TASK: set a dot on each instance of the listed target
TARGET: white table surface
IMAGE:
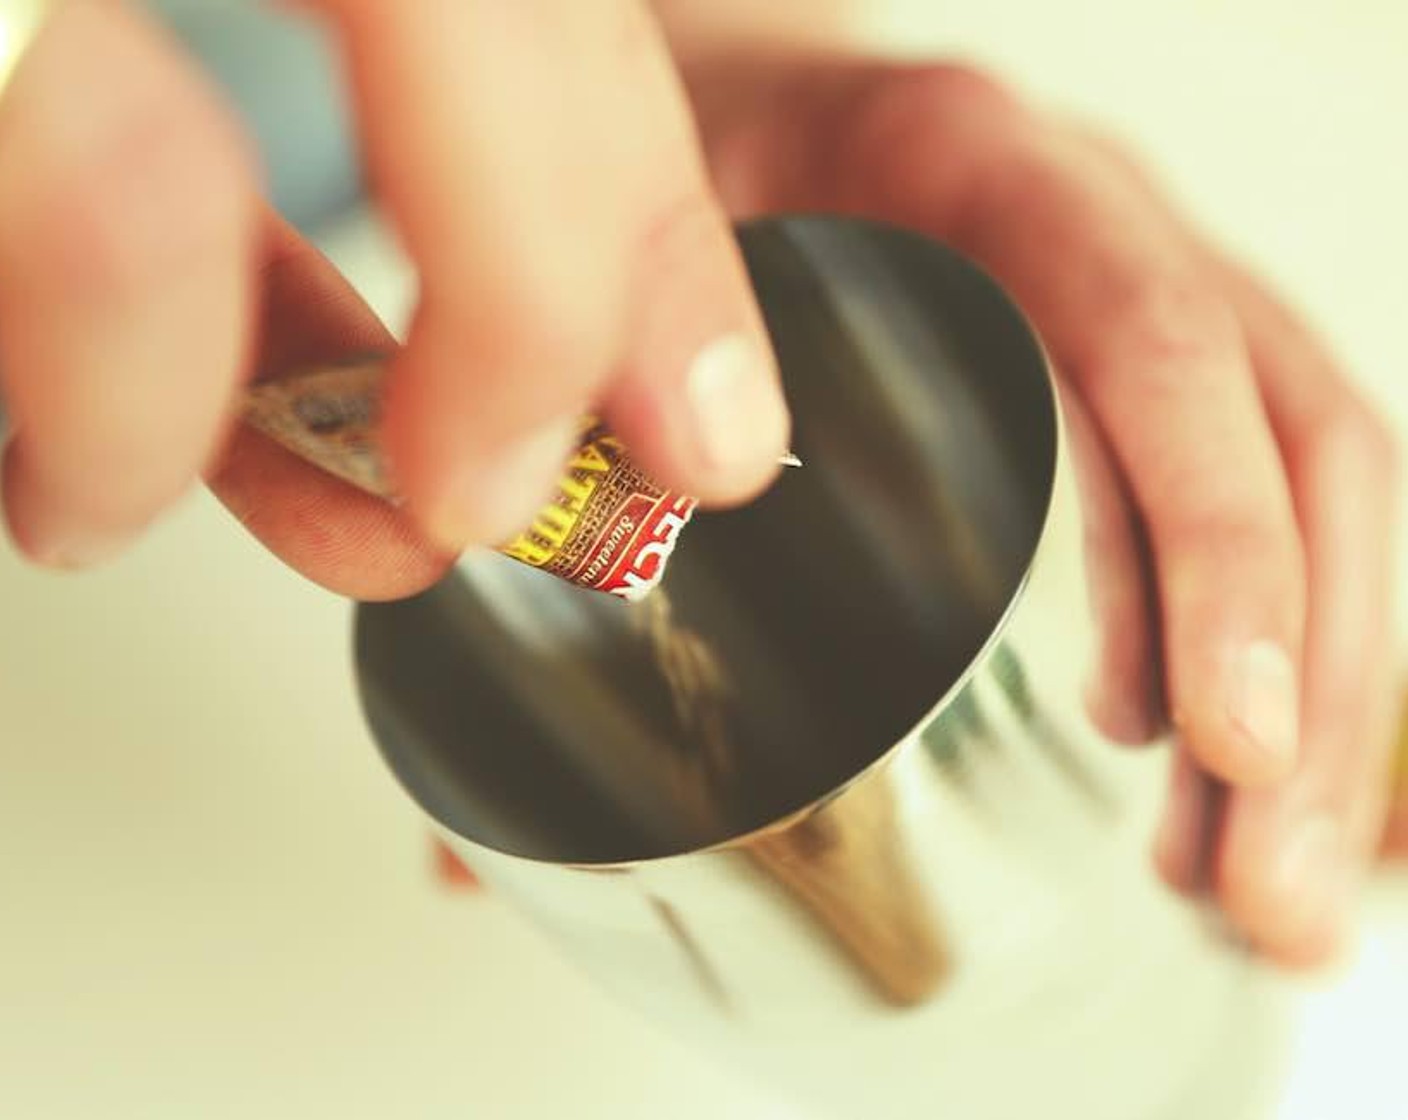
(215, 903)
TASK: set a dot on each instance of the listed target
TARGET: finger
(539, 163)
(1393, 844)
(1167, 375)
(451, 871)
(333, 533)
(127, 209)
(1190, 834)
(1122, 693)
(1294, 853)
(1129, 318)
(1174, 844)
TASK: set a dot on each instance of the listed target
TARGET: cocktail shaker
(892, 869)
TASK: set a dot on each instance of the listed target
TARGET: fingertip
(1124, 714)
(1291, 884)
(126, 280)
(1179, 851)
(44, 531)
(335, 535)
(1169, 857)
(1229, 754)
(738, 419)
(719, 431)
(1321, 953)
(481, 495)
(699, 397)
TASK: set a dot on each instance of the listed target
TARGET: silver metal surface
(912, 881)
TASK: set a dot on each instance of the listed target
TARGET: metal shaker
(914, 881)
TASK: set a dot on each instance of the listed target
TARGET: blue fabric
(282, 76)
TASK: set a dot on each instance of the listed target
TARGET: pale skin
(563, 176)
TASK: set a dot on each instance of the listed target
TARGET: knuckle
(1170, 325)
(1228, 528)
(1233, 549)
(955, 108)
(939, 91)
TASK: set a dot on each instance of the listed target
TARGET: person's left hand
(1232, 479)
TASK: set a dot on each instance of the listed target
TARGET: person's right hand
(539, 163)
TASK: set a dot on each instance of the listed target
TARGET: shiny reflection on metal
(918, 882)
(708, 978)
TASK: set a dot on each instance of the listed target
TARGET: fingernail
(1265, 705)
(80, 548)
(496, 497)
(738, 412)
(1313, 877)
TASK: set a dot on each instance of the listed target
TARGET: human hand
(1208, 425)
(539, 163)
(1237, 493)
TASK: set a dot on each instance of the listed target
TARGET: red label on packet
(647, 529)
(610, 527)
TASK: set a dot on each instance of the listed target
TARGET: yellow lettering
(555, 522)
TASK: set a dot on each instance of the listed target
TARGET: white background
(215, 903)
